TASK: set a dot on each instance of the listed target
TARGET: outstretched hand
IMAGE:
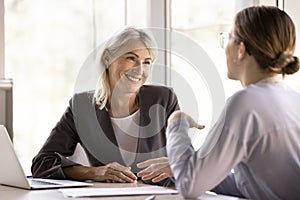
(181, 115)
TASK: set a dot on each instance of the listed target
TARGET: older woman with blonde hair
(121, 125)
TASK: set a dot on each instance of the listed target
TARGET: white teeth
(133, 78)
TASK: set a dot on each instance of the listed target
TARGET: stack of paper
(120, 191)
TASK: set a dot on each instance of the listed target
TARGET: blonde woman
(121, 125)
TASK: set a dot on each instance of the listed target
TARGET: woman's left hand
(156, 169)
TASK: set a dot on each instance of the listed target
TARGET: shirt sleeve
(196, 172)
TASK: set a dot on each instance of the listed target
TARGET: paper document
(120, 191)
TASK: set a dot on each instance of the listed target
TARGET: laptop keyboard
(37, 182)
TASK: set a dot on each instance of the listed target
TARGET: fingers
(181, 115)
(157, 175)
(125, 171)
(192, 122)
(152, 161)
(160, 178)
(200, 126)
(118, 176)
(152, 165)
(149, 175)
(156, 169)
(115, 173)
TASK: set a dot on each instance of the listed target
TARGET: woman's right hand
(114, 173)
(111, 173)
(181, 115)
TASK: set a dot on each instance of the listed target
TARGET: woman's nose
(141, 68)
(138, 68)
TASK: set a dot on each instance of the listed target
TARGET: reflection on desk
(11, 193)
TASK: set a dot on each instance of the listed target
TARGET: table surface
(11, 193)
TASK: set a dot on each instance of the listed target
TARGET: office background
(43, 44)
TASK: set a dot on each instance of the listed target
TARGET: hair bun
(292, 67)
(285, 63)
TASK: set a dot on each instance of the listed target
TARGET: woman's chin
(230, 76)
(133, 89)
(134, 86)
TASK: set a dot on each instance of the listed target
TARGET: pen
(152, 197)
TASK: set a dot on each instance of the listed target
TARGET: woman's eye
(131, 58)
(147, 63)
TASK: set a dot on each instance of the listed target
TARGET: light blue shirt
(257, 135)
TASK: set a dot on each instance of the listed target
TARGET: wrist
(80, 172)
(174, 117)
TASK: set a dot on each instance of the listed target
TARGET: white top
(127, 131)
(257, 134)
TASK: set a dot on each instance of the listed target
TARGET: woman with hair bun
(258, 132)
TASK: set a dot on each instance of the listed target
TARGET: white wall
(292, 8)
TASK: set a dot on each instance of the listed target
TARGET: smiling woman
(126, 74)
(128, 49)
(121, 125)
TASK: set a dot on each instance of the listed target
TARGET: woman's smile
(133, 78)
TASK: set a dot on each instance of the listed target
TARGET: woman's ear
(242, 51)
(106, 58)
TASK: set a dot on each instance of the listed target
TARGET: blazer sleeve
(61, 143)
(172, 103)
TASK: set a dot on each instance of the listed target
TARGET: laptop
(12, 173)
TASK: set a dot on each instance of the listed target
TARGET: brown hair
(269, 35)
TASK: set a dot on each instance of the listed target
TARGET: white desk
(11, 193)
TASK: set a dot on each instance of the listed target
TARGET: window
(200, 22)
(46, 42)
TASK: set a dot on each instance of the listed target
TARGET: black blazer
(83, 122)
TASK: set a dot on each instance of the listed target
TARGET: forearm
(180, 154)
(112, 172)
(80, 173)
(50, 165)
(197, 172)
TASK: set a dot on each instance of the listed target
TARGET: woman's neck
(255, 78)
(253, 73)
(123, 105)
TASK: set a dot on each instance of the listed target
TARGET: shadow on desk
(11, 193)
